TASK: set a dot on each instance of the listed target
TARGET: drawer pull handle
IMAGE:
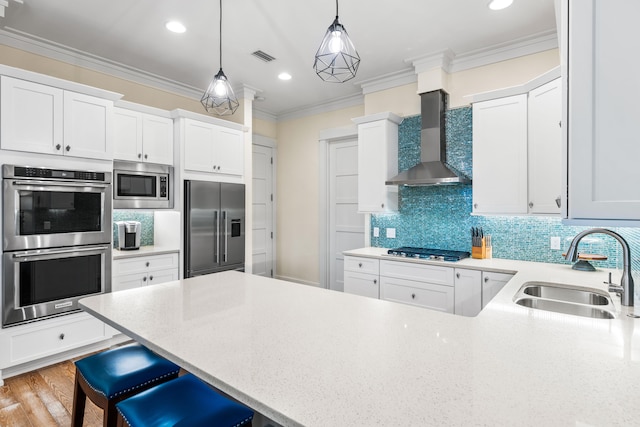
(486, 279)
(144, 279)
(147, 264)
(68, 148)
(139, 155)
(58, 147)
(413, 296)
(150, 277)
(360, 265)
(375, 281)
(61, 336)
(457, 275)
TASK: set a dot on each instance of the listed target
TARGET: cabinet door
(127, 135)
(603, 109)
(157, 138)
(545, 148)
(375, 165)
(31, 116)
(500, 155)
(361, 284)
(128, 281)
(88, 124)
(492, 283)
(229, 152)
(198, 146)
(162, 276)
(468, 292)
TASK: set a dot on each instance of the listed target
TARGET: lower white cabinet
(424, 285)
(26, 343)
(468, 298)
(361, 276)
(141, 271)
(492, 283)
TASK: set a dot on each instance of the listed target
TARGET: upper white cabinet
(212, 148)
(500, 155)
(377, 162)
(142, 137)
(44, 119)
(600, 41)
(545, 148)
(517, 149)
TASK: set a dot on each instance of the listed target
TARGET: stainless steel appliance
(429, 253)
(214, 227)
(57, 241)
(142, 185)
(128, 235)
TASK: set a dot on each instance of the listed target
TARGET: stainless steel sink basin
(565, 299)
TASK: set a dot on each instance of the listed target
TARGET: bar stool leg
(79, 401)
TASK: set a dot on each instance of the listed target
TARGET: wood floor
(43, 398)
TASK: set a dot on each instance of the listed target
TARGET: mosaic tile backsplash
(146, 225)
(440, 216)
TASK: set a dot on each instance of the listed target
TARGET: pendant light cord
(221, 34)
(336, 9)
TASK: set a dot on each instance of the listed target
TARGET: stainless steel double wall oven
(56, 240)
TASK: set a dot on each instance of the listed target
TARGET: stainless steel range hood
(432, 170)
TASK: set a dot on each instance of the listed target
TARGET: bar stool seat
(185, 401)
(111, 376)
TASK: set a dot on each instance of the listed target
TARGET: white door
(263, 217)
(346, 225)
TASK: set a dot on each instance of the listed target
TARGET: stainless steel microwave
(142, 185)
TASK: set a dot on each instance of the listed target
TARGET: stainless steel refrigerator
(214, 227)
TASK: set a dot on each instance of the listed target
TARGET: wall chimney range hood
(432, 170)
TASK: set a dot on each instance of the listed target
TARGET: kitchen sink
(566, 299)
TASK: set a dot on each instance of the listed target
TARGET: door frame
(325, 138)
(271, 143)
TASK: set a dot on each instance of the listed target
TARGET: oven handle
(59, 184)
(46, 252)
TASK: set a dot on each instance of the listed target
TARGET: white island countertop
(307, 356)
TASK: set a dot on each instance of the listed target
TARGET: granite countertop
(305, 356)
(143, 251)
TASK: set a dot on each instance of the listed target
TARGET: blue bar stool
(111, 376)
(185, 401)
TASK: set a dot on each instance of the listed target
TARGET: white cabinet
(213, 149)
(45, 338)
(361, 276)
(603, 110)
(141, 271)
(468, 292)
(42, 119)
(492, 283)
(500, 155)
(423, 285)
(142, 137)
(377, 162)
(545, 148)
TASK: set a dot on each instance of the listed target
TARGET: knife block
(481, 252)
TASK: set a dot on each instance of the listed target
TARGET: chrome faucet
(626, 282)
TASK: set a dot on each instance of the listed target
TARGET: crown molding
(388, 81)
(38, 46)
(332, 105)
(264, 115)
(424, 63)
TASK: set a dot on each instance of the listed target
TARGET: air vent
(263, 56)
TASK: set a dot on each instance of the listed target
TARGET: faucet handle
(616, 288)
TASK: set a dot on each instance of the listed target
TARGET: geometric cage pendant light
(219, 97)
(336, 59)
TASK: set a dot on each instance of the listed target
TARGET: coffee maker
(128, 235)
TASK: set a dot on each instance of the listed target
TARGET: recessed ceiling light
(499, 4)
(175, 27)
(284, 76)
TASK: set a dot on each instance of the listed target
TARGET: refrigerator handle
(226, 234)
(216, 219)
(187, 228)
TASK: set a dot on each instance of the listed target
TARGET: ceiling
(387, 36)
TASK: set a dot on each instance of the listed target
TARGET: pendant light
(219, 97)
(336, 59)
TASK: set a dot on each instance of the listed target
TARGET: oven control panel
(45, 173)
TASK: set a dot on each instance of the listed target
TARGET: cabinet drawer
(32, 344)
(434, 297)
(145, 263)
(363, 284)
(362, 265)
(421, 272)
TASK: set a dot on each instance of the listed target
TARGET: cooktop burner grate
(429, 253)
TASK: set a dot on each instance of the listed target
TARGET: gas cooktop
(428, 253)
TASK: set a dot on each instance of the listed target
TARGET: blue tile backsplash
(146, 225)
(440, 216)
